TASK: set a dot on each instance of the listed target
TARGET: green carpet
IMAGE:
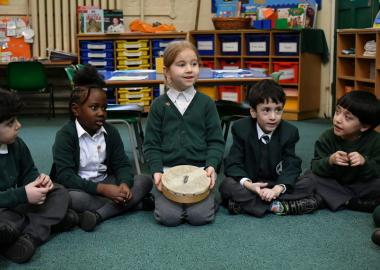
(323, 240)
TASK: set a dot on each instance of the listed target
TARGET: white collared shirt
(181, 99)
(3, 149)
(92, 154)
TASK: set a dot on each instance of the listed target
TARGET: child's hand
(339, 158)
(268, 194)
(255, 187)
(212, 175)
(356, 159)
(157, 180)
(34, 193)
(46, 181)
(126, 190)
(112, 192)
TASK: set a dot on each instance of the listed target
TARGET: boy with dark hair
(262, 167)
(30, 204)
(346, 163)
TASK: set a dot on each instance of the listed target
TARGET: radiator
(55, 22)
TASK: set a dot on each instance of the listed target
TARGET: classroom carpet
(322, 240)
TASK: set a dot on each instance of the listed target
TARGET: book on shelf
(93, 21)
(113, 21)
(81, 10)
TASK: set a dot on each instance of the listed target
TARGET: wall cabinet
(268, 51)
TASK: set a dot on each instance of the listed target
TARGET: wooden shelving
(262, 48)
(357, 71)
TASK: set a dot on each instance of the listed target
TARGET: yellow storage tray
(138, 92)
(133, 67)
(138, 101)
(133, 62)
(137, 44)
(132, 53)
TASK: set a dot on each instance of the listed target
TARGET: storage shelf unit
(125, 51)
(270, 50)
(356, 71)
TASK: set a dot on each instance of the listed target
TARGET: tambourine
(185, 184)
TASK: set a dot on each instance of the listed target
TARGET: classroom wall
(182, 14)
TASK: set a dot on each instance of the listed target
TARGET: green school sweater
(368, 145)
(16, 170)
(194, 138)
(66, 153)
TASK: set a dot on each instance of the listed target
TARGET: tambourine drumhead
(185, 184)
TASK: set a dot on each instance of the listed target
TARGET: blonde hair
(176, 47)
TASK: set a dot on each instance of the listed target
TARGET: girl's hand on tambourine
(212, 175)
(157, 180)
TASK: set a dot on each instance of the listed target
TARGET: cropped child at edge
(31, 206)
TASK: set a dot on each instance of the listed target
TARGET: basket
(225, 23)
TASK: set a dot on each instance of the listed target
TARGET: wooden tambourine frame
(190, 197)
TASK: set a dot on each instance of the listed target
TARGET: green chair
(30, 78)
(70, 72)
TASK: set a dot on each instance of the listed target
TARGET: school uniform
(183, 128)
(82, 161)
(339, 184)
(273, 162)
(17, 169)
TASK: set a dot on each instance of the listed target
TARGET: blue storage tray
(257, 45)
(286, 44)
(97, 45)
(230, 44)
(96, 53)
(205, 44)
(160, 43)
(157, 51)
(99, 63)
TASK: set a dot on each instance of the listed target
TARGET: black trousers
(37, 220)
(106, 208)
(252, 204)
(335, 194)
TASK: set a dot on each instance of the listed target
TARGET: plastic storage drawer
(107, 62)
(96, 54)
(230, 44)
(96, 45)
(286, 45)
(260, 66)
(289, 69)
(231, 93)
(205, 44)
(257, 45)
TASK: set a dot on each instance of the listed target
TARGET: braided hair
(86, 80)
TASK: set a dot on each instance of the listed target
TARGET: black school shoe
(300, 207)
(70, 220)
(376, 236)
(88, 220)
(363, 205)
(234, 208)
(22, 249)
(8, 234)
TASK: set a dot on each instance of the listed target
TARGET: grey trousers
(106, 208)
(335, 194)
(251, 203)
(37, 220)
(172, 214)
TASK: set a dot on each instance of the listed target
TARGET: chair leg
(52, 101)
(226, 130)
(131, 140)
(139, 141)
